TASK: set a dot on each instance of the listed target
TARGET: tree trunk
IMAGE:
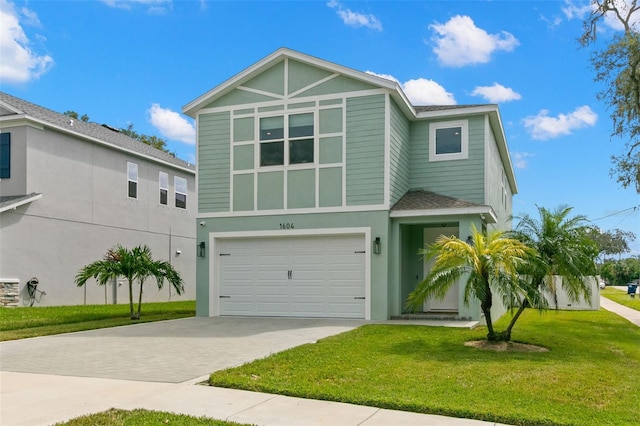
(139, 300)
(132, 314)
(505, 336)
(485, 305)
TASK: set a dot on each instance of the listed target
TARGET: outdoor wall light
(201, 249)
(470, 240)
(376, 245)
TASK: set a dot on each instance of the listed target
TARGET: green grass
(115, 417)
(590, 376)
(23, 322)
(622, 298)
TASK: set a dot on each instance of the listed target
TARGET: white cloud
(422, 91)
(172, 125)
(520, 159)
(543, 127)
(20, 63)
(496, 93)
(355, 19)
(459, 42)
(153, 6)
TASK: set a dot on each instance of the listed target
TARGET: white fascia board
(19, 121)
(490, 216)
(21, 203)
(454, 112)
(41, 124)
(254, 213)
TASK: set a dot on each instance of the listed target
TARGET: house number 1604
(286, 226)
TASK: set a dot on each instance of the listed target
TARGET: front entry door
(450, 302)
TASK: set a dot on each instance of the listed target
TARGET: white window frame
(132, 176)
(163, 178)
(464, 138)
(176, 191)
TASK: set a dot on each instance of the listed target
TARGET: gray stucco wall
(84, 211)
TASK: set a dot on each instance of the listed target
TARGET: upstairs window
(5, 155)
(280, 148)
(132, 179)
(448, 140)
(163, 181)
(180, 185)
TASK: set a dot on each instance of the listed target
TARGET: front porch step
(431, 316)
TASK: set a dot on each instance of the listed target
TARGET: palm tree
(135, 264)
(489, 263)
(564, 249)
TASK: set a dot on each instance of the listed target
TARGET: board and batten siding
(462, 179)
(214, 141)
(399, 155)
(365, 150)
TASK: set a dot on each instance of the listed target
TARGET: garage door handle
(225, 297)
(362, 297)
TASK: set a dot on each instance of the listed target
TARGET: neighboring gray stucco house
(70, 190)
(317, 185)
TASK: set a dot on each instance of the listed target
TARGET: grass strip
(139, 417)
(24, 322)
(591, 374)
(621, 297)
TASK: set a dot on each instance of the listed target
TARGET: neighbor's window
(180, 185)
(132, 179)
(448, 140)
(294, 147)
(5, 155)
(163, 180)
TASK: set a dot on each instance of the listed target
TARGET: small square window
(448, 140)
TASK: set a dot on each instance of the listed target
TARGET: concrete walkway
(627, 313)
(158, 366)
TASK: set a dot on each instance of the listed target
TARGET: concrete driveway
(168, 351)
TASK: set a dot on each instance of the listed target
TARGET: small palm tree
(563, 248)
(489, 263)
(135, 264)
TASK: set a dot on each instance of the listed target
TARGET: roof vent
(113, 129)
(70, 122)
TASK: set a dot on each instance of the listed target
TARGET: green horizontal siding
(399, 155)
(214, 134)
(462, 179)
(365, 150)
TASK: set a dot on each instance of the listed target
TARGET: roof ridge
(92, 130)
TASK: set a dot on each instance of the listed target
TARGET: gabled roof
(278, 56)
(12, 108)
(418, 202)
(14, 201)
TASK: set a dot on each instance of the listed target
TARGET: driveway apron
(168, 351)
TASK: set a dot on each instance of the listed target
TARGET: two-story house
(70, 190)
(318, 184)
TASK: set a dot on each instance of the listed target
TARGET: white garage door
(319, 276)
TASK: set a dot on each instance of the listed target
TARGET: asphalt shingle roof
(426, 200)
(104, 133)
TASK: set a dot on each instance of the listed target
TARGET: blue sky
(141, 61)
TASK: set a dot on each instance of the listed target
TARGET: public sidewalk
(40, 399)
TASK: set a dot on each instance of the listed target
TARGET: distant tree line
(153, 141)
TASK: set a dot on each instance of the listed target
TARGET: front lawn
(115, 417)
(23, 322)
(590, 375)
(622, 297)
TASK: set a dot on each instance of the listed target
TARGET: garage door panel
(319, 276)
